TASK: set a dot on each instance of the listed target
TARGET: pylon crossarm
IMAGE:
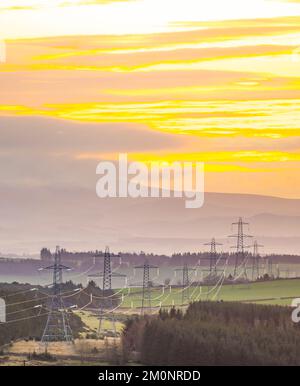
(114, 274)
(100, 274)
(58, 267)
(64, 267)
(244, 246)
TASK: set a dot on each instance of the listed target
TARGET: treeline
(176, 259)
(21, 317)
(212, 333)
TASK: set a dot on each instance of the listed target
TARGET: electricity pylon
(57, 327)
(147, 285)
(255, 259)
(270, 266)
(185, 295)
(240, 245)
(107, 302)
(213, 256)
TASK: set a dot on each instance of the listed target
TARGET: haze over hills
(77, 220)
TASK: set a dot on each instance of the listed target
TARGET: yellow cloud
(232, 84)
(252, 156)
(265, 118)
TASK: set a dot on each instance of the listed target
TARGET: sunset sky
(215, 81)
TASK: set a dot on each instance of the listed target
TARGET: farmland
(90, 351)
(279, 292)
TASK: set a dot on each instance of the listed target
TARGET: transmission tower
(57, 327)
(255, 259)
(240, 244)
(107, 303)
(147, 285)
(270, 266)
(185, 295)
(213, 256)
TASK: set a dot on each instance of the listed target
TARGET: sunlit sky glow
(219, 79)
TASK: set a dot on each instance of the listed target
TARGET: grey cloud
(42, 151)
(43, 134)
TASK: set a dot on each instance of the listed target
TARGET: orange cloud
(187, 84)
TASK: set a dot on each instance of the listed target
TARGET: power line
(107, 303)
(147, 285)
(57, 326)
(213, 256)
(240, 245)
(185, 295)
(255, 259)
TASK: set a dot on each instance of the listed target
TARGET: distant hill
(77, 220)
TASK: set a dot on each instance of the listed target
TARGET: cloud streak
(224, 90)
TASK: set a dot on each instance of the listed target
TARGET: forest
(214, 334)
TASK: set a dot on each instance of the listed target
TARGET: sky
(168, 80)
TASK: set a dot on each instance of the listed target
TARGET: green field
(276, 292)
(280, 292)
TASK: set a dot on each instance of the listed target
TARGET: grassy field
(91, 352)
(279, 292)
(92, 322)
(82, 352)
